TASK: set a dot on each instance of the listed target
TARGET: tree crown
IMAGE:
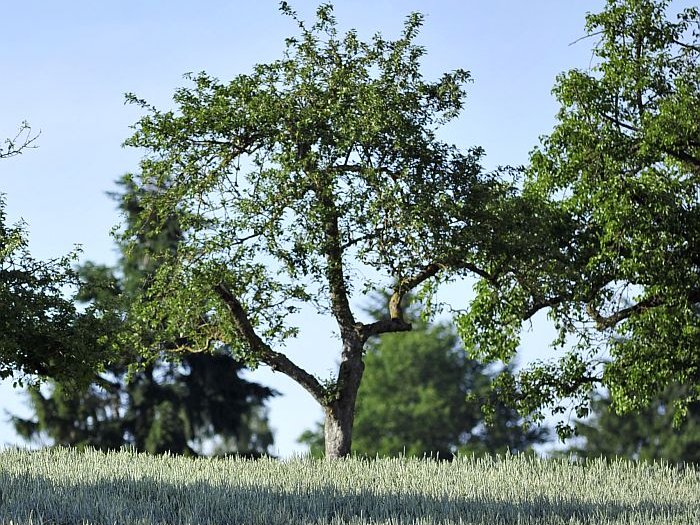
(284, 177)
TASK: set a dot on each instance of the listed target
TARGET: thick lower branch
(383, 326)
(275, 360)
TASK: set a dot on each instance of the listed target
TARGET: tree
(647, 435)
(610, 214)
(422, 395)
(42, 334)
(165, 405)
(169, 406)
(290, 180)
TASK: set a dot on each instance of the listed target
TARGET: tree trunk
(340, 412)
(338, 430)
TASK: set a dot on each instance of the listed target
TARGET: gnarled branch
(396, 322)
(340, 305)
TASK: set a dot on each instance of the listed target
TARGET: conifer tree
(173, 404)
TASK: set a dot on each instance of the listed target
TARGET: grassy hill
(65, 486)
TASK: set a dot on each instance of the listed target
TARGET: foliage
(649, 435)
(66, 486)
(166, 405)
(610, 220)
(421, 395)
(169, 406)
(313, 179)
(42, 334)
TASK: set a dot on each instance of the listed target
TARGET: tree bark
(340, 408)
(337, 431)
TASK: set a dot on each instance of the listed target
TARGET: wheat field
(64, 486)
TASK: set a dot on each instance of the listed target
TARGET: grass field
(69, 487)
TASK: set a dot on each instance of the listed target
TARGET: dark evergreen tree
(647, 435)
(170, 404)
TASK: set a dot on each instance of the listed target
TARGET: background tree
(197, 406)
(422, 395)
(289, 180)
(647, 435)
(41, 332)
(167, 405)
(611, 218)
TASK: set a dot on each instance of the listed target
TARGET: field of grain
(69, 487)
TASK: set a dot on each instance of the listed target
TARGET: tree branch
(685, 45)
(602, 322)
(683, 157)
(619, 123)
(678, 155)
(275, 360)
(361, 238)
(539, 305)
(406, 285)
(358, 168)
(610, 321)
(480, 272)
(340, 305)
(383, 326)
(21, 141)
(396, 322)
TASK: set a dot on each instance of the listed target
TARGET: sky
(67, 65)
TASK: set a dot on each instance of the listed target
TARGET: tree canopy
(611, 214)
(311, 180)
(42, 334)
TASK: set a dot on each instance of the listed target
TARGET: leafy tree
(422, 395)
(165, 405)
(610, 216)
(647, 435)
(41, 332)
(290, 180)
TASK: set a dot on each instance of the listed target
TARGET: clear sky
(66, 67)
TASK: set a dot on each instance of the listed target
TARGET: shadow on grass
(152, 501)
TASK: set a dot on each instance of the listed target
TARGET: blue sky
(68, 64)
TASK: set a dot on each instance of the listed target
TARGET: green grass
(69, 487)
